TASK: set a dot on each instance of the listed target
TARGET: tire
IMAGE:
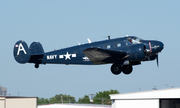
(127, 69)
(116, 69)
(36, 65)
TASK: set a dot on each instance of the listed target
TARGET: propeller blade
(157, 60)
(150, 47)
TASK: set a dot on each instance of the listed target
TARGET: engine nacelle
(149, 58)
(137, 52)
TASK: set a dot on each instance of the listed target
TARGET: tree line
(98, 98)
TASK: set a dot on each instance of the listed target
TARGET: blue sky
(60, 23)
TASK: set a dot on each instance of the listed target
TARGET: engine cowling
(137, 52)
(149, 58)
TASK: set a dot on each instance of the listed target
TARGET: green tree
(104, 97)
(64, 98)
(42, 101)
(84, 100)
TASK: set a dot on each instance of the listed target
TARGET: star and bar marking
(66, 56)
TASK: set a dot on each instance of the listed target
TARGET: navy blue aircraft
(122, 53)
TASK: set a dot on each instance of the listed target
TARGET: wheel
(127, 69)
(36, 65)
(116, 69)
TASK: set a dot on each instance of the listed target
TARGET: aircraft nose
(161, 45)
(154, 46)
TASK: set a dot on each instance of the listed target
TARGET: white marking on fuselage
(67, 56)
(73, 55)
(85, 59)
(51, 57)
(61, 56)
(21, 48)
(155, 47)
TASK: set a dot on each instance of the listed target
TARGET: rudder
(21, 52)
(36, 48)
(37, 52)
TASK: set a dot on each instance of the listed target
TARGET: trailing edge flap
(101, 56)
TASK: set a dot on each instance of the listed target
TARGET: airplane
(122, 53)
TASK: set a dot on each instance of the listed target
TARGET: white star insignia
(67, 56)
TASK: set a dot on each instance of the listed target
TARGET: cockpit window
(136, 40)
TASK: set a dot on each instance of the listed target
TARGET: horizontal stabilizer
(36, 59)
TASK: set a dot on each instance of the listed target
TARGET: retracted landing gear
(36, 65)
(116, 69)
(127, 69)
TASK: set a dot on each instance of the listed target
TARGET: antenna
(89, 40)
(109, 37)
(78, 42)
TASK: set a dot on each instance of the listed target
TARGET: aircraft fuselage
(123, 53)
(75, 55)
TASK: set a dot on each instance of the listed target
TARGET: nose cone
(157, 46)
(161, 45)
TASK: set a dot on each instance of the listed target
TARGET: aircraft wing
(103, 56)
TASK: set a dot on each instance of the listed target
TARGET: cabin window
(107, 46)
(117, 45)
(127, 43)
(136, 40)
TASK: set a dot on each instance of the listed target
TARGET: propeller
(150, 51)
(157, 60)
(150, 47)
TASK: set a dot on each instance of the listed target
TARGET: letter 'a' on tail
(21, 52)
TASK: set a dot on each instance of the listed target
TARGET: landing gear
(116, 69)
(36, 65)
(127, 69)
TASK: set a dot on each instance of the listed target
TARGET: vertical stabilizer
(36, 48)
(21, 52)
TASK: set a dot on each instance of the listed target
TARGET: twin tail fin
(33, 54)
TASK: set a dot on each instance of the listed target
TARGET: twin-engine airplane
(122, 53)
